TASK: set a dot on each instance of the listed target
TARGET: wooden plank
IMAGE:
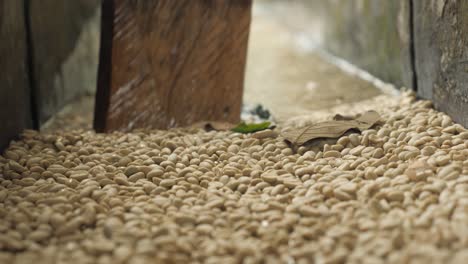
(168, 63)
(65, 47)
(441, 55)
(15, 109)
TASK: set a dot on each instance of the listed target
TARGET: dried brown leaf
(339, 117)
(332, 128)
(367, 119)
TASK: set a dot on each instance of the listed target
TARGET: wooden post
(15, 91)
(167, 63)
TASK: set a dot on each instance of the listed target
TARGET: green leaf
(251, 128)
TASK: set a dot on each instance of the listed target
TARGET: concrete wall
(65, 37)
(373, 34)
(419, 44)
(48, 56)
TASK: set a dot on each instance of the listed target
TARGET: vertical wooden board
(65, 46)
(441, 55)
(15, 110)
(171, 63)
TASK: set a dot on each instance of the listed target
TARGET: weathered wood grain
(168, 63)
(441, 55)
(15, 114)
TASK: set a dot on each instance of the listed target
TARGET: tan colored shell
(393, 193)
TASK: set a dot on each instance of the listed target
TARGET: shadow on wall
(65, 46)
(49, 56)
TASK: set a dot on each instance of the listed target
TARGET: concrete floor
(287, 76)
